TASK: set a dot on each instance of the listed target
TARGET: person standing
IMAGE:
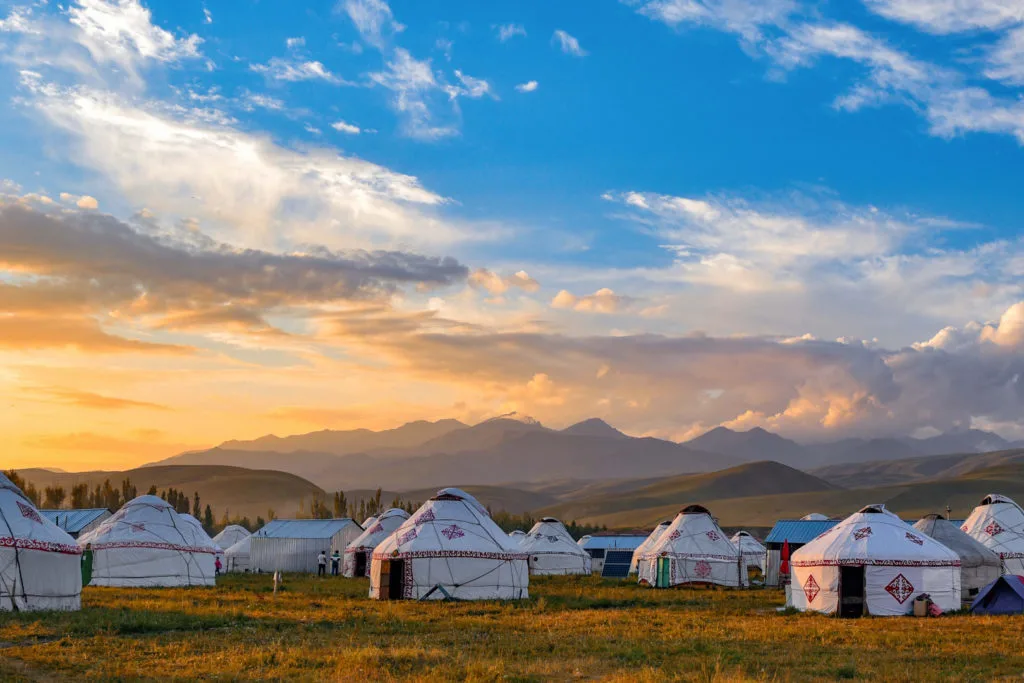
(335, 562)
(321, 564)
(87, 565)
(217, 566)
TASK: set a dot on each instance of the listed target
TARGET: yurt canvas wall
(230, 535)
(648, 543)
(998, 524)
(292, 545)
(40, 565)
(359, 553)
(753, 552)
(979, 566)
(236, 558)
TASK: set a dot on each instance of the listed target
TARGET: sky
(225, 219)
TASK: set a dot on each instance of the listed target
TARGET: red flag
(784, 566)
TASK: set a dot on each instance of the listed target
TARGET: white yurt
(449, 549)
(998, 524)
(40, 565)
(517, 535)
(200, 531)
(552, 550)
(230, 535)
(648, 544)
(754, 553)
(693, 549)
(979, 566)
(815, 517)
(359, 552)
(369, 521)
(147, 544)
(874, 563)
(236, 558)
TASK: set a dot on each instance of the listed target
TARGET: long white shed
(292, 545)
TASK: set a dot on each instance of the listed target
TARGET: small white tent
(648, 544)
(517, 535)
(998, 524)
(754, 553)
(230, 535)
(873, 562)
(693, 549)
(359, 552)
(146, 544)
(236, 558)
(552, 550)
(815, 517)
(449, 548)
(979, 566)
(40, 565)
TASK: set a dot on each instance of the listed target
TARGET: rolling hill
(236, 490)
(886, 472)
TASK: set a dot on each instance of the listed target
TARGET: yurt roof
(385, 524)
(550, 535)
(27, 528)
(694, 533)
(815, 517)
(449, 525)
(242, 547)
(459, 493)
(145, 521)
(971, 552)
(998, 524)
(873, 535)
(230, 535)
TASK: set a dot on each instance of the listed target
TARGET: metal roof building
(618, 548)
(292, 545)
(77, 522)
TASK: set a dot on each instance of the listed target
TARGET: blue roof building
(77, 522)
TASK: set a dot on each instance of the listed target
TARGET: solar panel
(616, 564)
(618, 557)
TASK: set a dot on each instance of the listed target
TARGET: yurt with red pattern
(873, 563)
(40, 565)
(693, 549)
(449, 549)
(359, 553)
(147, 544)
(998, 524)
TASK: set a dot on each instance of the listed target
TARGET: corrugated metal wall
(296, 554)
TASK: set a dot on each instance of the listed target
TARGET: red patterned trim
(1011, 556)
(156, 546)
(44, 546)
(858, 562)
(690, 556)
(451, 553)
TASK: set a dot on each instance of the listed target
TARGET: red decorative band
(451, 553)
(689, 556)
(44, 546)
(156, 546)
(859, 562)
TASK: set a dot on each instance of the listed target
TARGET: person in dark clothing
(335, 562)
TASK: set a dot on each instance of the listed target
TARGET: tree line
(358, 509)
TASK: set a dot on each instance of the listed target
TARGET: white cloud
(747, 18)
(474, 88)
(445, 46)
(122, 31)
(1005, 60)
(313, 130)
(603, 300)
(279, 69)
(243, 186)
(950, 16)
(412, 82)
(374, 20)
(349, 128)
(507, 32)
(207, 17)
(568, 44)
(293, 43)
(529, 86)
(250, 101)
(495, 284)
(81, 201)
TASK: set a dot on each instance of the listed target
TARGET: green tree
(151, 491)
(53, 497)
(197, 509)
(79, 496)
(208, 519)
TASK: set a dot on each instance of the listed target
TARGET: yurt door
(851, 591)
(664, 572)
(360, 564)
(396, 579)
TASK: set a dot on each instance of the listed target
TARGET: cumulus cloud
(568, 44)
(529, 86)
(495, 284)
(603, 300)
(345, 127)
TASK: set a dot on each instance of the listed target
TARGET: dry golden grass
(587, 628)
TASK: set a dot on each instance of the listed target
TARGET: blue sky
(601, 170)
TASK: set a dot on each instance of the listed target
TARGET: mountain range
(518, 448)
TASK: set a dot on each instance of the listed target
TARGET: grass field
(572, 628)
